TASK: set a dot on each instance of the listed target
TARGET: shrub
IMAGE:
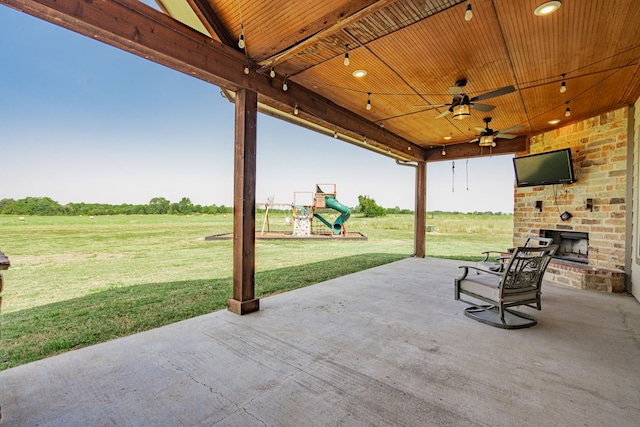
(368, 207)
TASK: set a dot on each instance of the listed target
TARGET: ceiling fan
(461, 102)
(488, 136)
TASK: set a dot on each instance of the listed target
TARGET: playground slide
(345, 212)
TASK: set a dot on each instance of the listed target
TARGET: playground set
(305, 209)
(299, 216)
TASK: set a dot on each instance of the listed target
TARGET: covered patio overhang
(386, 346)
(426, 62)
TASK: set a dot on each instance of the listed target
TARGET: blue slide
(331, 202)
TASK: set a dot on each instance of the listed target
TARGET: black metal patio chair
(497, 292)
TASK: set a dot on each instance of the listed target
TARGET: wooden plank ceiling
(413, 52)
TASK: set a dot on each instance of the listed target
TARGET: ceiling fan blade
(480, 129)
(441, 115)
(455, 90)
(502, 91)
(474, 140)
(505, 135)
(458, 88)
(511, 129)
(483, 107)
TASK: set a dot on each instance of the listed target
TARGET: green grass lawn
(78, 281)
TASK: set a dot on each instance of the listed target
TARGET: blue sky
(81, 121)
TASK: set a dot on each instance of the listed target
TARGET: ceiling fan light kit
(487, 141)
(461, 111)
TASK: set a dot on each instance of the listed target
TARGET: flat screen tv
(553, 167)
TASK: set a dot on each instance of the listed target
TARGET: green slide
(331, 202)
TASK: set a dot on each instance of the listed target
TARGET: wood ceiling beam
(325, 27)
(139, 29)
(212, 23)
(466, 150)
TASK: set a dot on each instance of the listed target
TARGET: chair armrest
(487, 254)
(482, 270)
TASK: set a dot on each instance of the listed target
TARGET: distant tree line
(368, 207)
(158, 205)
(45, 206)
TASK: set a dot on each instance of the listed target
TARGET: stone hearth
(582, 276)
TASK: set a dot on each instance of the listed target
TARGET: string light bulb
(241, 43)
(346, 55)
(335, 134)
(272, 73)
(365, 140)
(567, 112)
(295, 109)
(444, 153)
(285, 86)
(369, 101)
(563, 85)
(468, 14)
(246, 69)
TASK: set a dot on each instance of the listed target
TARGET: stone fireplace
(591, 240)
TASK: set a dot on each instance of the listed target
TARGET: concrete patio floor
(384, 347)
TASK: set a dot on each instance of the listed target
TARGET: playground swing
(266, 223)
(287, 215)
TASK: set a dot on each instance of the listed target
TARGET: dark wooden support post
(421, 210)
(244, 214)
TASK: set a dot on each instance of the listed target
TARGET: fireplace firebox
(572, 245)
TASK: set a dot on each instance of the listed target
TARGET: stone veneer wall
(634, 208)
(599, 153)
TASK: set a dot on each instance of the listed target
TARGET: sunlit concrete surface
(384, 347)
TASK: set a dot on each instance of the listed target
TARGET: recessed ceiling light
(554, 121)
(547, 8)
(447, 137)
(359, 73)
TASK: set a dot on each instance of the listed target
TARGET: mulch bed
(288, 235)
